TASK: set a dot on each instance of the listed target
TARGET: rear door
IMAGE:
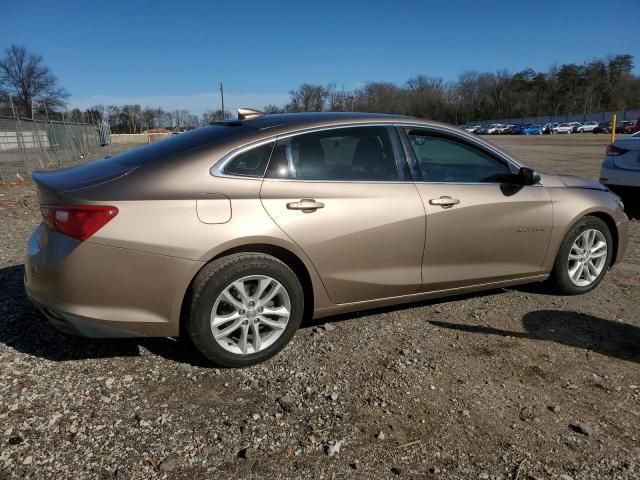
(479, 230)
(342, 195)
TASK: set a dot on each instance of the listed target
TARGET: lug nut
(241, 312)
(251, 304)
(260, 309)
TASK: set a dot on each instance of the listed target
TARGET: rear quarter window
(250, 163)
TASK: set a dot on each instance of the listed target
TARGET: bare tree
(150, 115)
(25, 76)
(273, 109)
(307, 98)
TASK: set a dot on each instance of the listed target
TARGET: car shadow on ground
(631, 200)
(632, 208)
(25, 329)
(579, 330)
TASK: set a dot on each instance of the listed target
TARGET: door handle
(306, 205)
(444, 201)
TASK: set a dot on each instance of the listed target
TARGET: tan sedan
(234, 232)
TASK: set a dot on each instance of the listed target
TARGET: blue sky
(173, 54)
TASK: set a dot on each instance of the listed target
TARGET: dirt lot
(513, 383)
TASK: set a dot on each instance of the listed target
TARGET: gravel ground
(509, 384)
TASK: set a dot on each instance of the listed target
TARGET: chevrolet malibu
(233, 233)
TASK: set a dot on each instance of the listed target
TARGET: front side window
(346, 154)
(444, 159)
(251, 163)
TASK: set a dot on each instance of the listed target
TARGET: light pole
(222, 100)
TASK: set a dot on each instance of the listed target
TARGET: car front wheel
(244, 309)
(584, 256)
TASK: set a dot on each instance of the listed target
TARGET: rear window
(163, 149)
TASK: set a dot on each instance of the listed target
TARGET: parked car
(576, 126)
(565, 128)
(550, 128)
(621, 167)
(509, 129)
(534, 130)
(492, 129)
(519, 129)
(470, 128)
(504, 129)
(603, 127)
(233, 232)
(625, 126)
(587, 127)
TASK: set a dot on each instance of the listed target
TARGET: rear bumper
(100, 291)
(620, 178)
(82, 327)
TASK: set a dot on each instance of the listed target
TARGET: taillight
(77, 221)
(615, 151)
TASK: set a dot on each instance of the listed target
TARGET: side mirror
(528, 176)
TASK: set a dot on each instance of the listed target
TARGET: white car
(587, 127)
(564, 128)
(576, 125)
(494, 128)
(621, 168)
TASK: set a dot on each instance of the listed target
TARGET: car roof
(285, 122)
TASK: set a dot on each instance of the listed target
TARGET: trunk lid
(81, 176)
(629, 160)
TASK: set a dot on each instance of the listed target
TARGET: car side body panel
(481, 238)
(367, 240)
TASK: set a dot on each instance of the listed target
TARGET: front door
(479, 230)
(339, 194)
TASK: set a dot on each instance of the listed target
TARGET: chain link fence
(46, 141)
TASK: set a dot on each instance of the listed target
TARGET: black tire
(560, 274)
(213, 279)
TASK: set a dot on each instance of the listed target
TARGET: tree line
(602, 84)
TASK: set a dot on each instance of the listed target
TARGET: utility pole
(222, 99)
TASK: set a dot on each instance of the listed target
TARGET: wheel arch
(285, 255)
(565, 219)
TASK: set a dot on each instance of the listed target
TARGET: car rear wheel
(584, 256)
(245, 308)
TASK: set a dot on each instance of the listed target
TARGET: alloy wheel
(250, 314)
(587, 257)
